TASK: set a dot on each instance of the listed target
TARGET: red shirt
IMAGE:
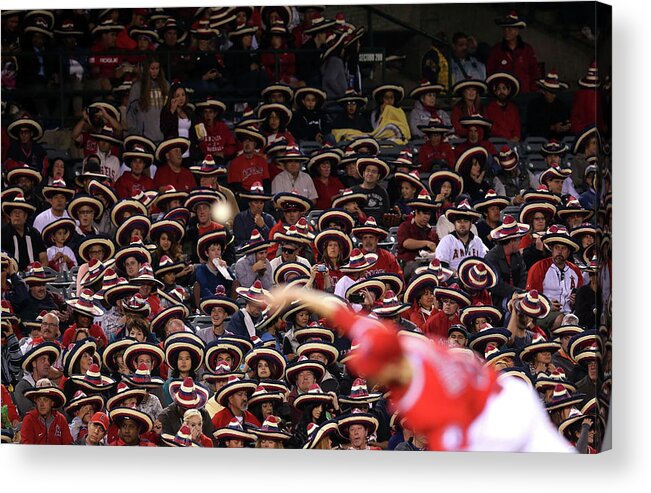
(417, 317)
(586, 110)
(521, 62)
(482, 297)
(223, 417)
(459, 110)
(409, 230)
(429, 153)
(286, 66)
(506, 120)
(327, 191)
(219, 139)
(386, 263)
(438, 323)
(142, 443)
(33, 431)
(12, 412)
(128, 185)
(246, 171)
(106, 63)
(182, 181)
(205, 441)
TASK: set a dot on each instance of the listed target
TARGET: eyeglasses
(47, 324)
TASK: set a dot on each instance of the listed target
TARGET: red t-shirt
(386, 263)
(409, 230)
(327, 191)
(127, 185)
(429, 153)
(219, 138)
(247, 171)
(181, 181)
(223, 417)
(506, 120)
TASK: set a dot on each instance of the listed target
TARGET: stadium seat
(533, 144)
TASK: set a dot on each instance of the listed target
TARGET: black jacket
(172, 420)
(511, 277)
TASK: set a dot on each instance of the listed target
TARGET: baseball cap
(101, 419)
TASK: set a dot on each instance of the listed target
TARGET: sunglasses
(288, 251)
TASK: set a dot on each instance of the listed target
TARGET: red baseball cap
(101, 419)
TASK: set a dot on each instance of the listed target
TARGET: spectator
(514, 55)
(388, 119)
(451, 298)
(218, 140)
(44, 425)
(57, 236)
(135, 181)
(172, 36)
(281, 65)
(24, 148)
(547, 115)
(321, 166)
(207, 70)
(108, 161)
(58, 195)
(170, 154)
(425, 109)
(472, 167)
(308, 59)
(334, 76)
(250, 166)
(292, 179)
(243, 65)
(276, 118)
(177, 119)
(253, 265)
(416, 234)
(470, 92)
(351, 117)
(588, 103)
(462, 64)
(254, 216)
(214, 271)
(373, 170)
(309, 120)
(19, 240)
(461, 242)
(74, 63)
(512, 179)
(105, 69)
(434, 67)
(435, 152)
(370, 235)
(146, 100)
(502, 112)
(539, 215)
(95, 117)
(490, 208)
(585, 149)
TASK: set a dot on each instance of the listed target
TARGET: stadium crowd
(135, 285)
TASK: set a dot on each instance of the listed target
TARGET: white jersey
(452, 251)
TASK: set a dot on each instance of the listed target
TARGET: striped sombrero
(326, 154)
(324, 237)
(314, 395)
(515, 372)
(184, 341)
(418, 283)
(354, 97)
(73, 353)
(219, 300)
(573, 206)
(263, 394)
(471, 313)
(203, 196)
(359, 394)
(13, 129)
(435, 267)
(112, 350)
(347, 196)
(367, 420)
(491, 199)
(364, 162)
(218, 346)
(85, 304)
(208, 167)
(533, 304)
(166, 266)
(168, 145)
(58, 187)
(144, 422)
(541, 194)
(127, 206)
(219, 236)
(80, 399)
(398, 91)
(584, 136)
(274, 359)
(183, 438)
(119, 291)
(187, 394)
(256, 192)
(477, 274)
(558, 235)
(64, 223)
(493, 355)
(392, 281)
(453, 292)
(234, 385)
(438, 178)
(142, 378)
(413, 178)
(44, 388)
(425, 87)
(250, 132)
(549, 381)
(464, 161)
(567, 330)
(510, 229)
(390, 306)
(143, 348)
(283, 112)
(168, 194)
(336, 218)
(375, 286)
(538, 344)
(583, 341)
(554, 172)
(423, 202)
(327, 349)
(507, 158)
(479, 85)
(561, 398)
(475, 120)
(146, 277)
(364, 146)
(234, 431)
(214, 104)
(320, 95)
(255, 293)
(505, 78)
(551, 82)
(370, 227)
(359, 262)
(512, 19)
(101, 191)
(497, 336)
(270, 430)
(591, 79)
(36, 275)
(529, 210)
(316, 433)
(292, 201)
(93, 380)
(18, 202)
(462, 211)
(255, 244)
(138, 305)
(50, 349)
(314, 332)
(302, 363)
(107, 134)
(288, 271)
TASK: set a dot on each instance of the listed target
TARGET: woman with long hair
(469, 91)
(177, 119)
(334, 247)
(146, 100)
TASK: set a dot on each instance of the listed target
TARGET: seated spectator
(292, 179)
(24, 179)
(388, 119)
(502, 111)
(282, 61)
(373, 170)
(218, 140)
(253, 217)
(135, 181)
(24, 148)
(277, 93)
(104, 69)
(57, 195)
(472, 167)
(462, 64)
(547, 115)
(95, 117)
(334, 75)
(434, 67)
(309, 120)
(47, 399)
(108, 160)
(171, 172)
(470, 92)
(425, 109)
(206, 71)
(57, 236)
(253, 265)
(585, 150)
(587, 103)
(213, 270)
(321, 166)
(276, 118)
(490, 208)
(461, 242)
(351, 117)
(514, 55)
(416, 234)
(250, 166)
(19, 240)
(512, 179)
(435, 152)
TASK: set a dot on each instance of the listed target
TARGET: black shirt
(29, 246)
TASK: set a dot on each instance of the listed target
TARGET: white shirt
(452, 251)
(47, 217)
(558, 285)
(303, 185)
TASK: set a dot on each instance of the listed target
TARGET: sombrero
(18, 202)
(85, 304)
(367, 420)
(510, 229)
(73, 353)
(533, 304)
(413, 178)
(364, 162)
(551, 83)
(202, 196)
(331, 234)
(82, 199)
(341, 219)
(132, 352)
(477, 274)
(211, 103)
(479, 85)
(462, 211)
(507, 158)
(327, 349)
(301, 364)
(256, 192)
(243, 132)
(561, 398)
(25, 122)
(394, 282)
(371, 145)
(130, 206)
(276, 359)
(359, 262)
(168, 145)
(278, 87)
(359, 394)
(58, 187)
(283, 112)
(390, 306)
(435, 126)
(591, 79)
(512, 19)
(549, 381)
(222, 346)
(80, 399)
(497, 336)
(99, 190)
(493, 355)
(453, 292)
(425, 87)
(183, 438)
(23, 171)
(314, 395)
(144, 422)
(36, 275)
(167, 195)
(50, 349)
(558, 234)
(438, 178)
(219, 300)
(93, 380)
(538, 345)
(233, 386)
(110, 352)
(134, 141)
(475, 120)
(291, 201)
(347, 196)
(423, 202)
(47, 390)
(464, 161)
(470, 313)
(270, 430)
(64, 223)
(316, 433)
(418, 283)
(187, 394)
(255, 244)
(529, 210)
(492, 199)
(143, 379)
(319, 94)
(378, 93)
(506, 78)
(314, 331)
(255, 293)
(353, 96)
(319, 23)
(375, 286)
(218, 236)
(123, 234)
(370, 227)
(146, 277)
(107, 134)
(573, 206)
(289, 268)
(584, 136)
(107, 25)
(234, 431)
(436, 268)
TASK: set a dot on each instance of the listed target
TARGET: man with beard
(370, 235)
(461, 242)
(234, 396)
(502, 112)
